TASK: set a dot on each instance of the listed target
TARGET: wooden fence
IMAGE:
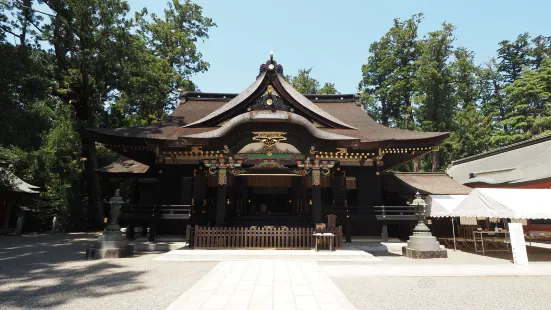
(266, 237)
(465, 231)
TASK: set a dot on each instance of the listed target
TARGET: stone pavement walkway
(264, 284)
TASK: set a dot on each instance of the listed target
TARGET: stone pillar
(316, 195)
(385, 233)
(221, 198)
(20, 222)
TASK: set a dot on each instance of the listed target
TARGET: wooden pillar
(130, 231)
(435, 158)
(378, 190)
(348, 228)
(7, 206)
(316, 196)
(416, 164)
(221, 198)
(152, 229)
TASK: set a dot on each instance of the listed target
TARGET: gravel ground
(49, 272)
(535, 256)
(447, 292)
(505, 292)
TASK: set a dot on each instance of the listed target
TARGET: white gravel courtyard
(49, 272)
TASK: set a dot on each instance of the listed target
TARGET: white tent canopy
(506, 203)
(443, 205)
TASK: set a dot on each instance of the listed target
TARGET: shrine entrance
(269, 199)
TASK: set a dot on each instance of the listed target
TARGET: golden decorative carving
(226, 149)
(196, 149)
(312, 150)
(269, 139)
(317, 125)
(341, 150)
(435, 148)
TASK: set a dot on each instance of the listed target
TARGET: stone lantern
(112, 244)
(422, 244)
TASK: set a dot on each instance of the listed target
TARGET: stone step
(145, 246)
(222, 255)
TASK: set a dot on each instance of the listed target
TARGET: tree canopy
(87, 64)
(427, 83)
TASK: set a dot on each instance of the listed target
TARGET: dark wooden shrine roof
(426, 183)
(198, 105)
(124, 166)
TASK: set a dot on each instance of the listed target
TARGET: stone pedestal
(112, 244)
(423, 247)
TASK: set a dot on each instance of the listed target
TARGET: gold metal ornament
(269, 139)
(341, 150)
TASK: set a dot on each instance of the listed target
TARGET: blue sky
(333, 37)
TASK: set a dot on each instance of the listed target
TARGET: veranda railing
(265, 237)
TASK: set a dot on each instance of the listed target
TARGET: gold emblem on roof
(341, 150)
(269, 139)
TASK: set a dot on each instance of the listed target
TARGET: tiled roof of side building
(527, 161)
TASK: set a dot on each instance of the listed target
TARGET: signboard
(517, 244)
(524, 222)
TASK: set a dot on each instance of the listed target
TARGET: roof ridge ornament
(270, 65)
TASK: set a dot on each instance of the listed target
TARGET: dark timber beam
(316, 196)
(221, 198)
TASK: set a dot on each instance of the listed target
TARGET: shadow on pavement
(46, 271)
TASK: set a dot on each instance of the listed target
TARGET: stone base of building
(99, 253)
(424, 254)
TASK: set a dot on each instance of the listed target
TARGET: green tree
(375, 83)
(405, 52)
(328, 89)
(464, 73)
(528, 101)
(471, 133)
(434, 84)
(101, 61)
(304, 83)
(434, 78)
(514, 56)
(388, 82)
(172, 41)
(541, 50)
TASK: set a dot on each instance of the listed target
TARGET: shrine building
(270, 156)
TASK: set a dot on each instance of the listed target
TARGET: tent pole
(453, 229)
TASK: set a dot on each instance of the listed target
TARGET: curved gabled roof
(202, 114)
(284, 89)
(266, 116)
